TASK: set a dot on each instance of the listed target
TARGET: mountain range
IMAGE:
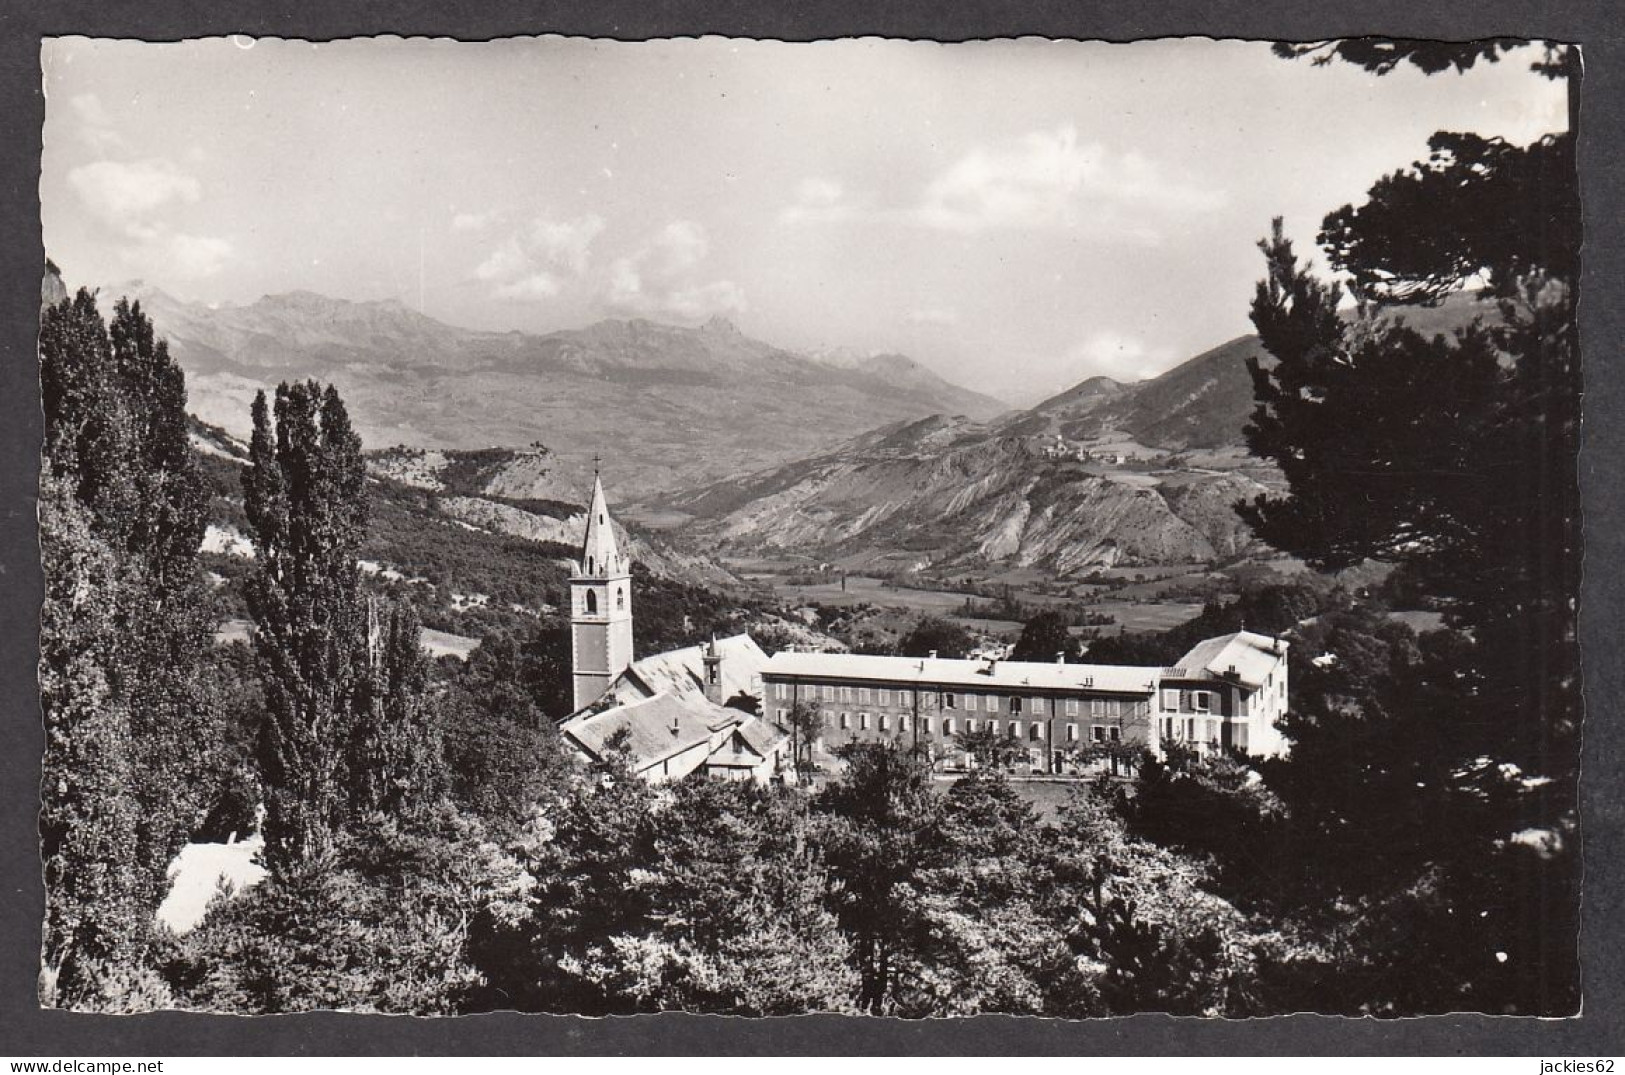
(869, 459)
(1103, 474)
(667, 406)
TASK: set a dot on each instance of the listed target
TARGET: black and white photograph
(881, 527)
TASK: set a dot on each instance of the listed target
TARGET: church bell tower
(600, 606)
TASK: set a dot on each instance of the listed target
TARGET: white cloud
(95, 126)
(655, 279)
(1044, 180)
(195, 256)
(706, 300)
(127, 195)
(677, 248)
(1050, 180)
(935, 316)
(531, 288)
(473, 221)
(532, 264)
(819, 200)
(133, 202)
(1118, 356)
(504, 263)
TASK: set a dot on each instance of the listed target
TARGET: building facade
(1053, 711)
(1226, 694)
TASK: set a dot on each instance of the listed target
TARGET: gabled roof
(682, 671)
(762, 735)
(600, 552)
(1005, 676)
(758, 736)
(1246, 656)
(658, 727)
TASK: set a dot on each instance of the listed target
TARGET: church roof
(749, 743)
(658, 728)
(600, 552)
(761, 735)
(1245, 656)
(682, 671)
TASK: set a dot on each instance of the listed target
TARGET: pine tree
(735, 921)
(168, 522)
(977, 939)
(877, 814)
(1457, 459)
(304, 497)
(87, 437)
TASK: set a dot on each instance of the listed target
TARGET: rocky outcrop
(959, 499)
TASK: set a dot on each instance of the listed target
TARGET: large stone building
(669, 710)
(1226, 693)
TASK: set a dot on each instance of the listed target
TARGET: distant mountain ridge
(1102, 474)
(667, 406)
(950, 495)
(1204, 402)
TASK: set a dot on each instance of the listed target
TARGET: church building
(600, 607)
(670, 710)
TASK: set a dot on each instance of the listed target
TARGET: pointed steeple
(600, 553)
(600, 606)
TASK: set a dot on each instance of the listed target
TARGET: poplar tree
(95, 909)
(304, 496)
(397, 766)
(129, 706)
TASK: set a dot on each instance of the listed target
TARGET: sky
(1016, 215)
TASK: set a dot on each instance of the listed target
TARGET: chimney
(992, 665)
(1060, 656)
(933, 655)
(1277, 643)
(674, 728)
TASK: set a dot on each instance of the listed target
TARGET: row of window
(885, 722)
(970, 703)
